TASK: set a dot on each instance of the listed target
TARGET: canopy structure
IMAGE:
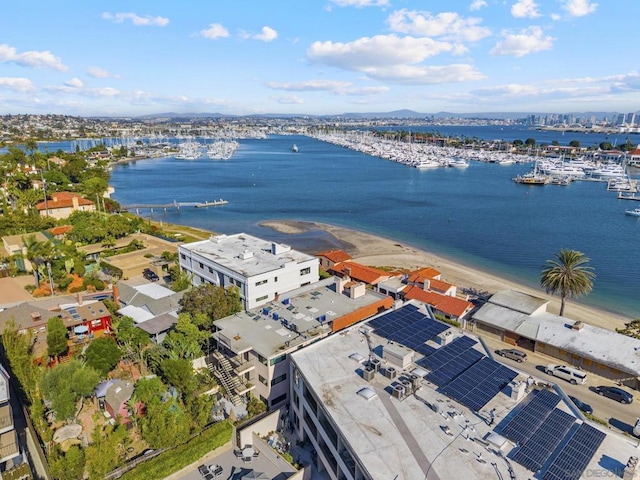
(253, 475)
(80, 329)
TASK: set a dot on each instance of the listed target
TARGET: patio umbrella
(253, 475)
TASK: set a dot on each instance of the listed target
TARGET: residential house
(15, 245)
(330, 257)
(360, 273)
(63, 204)
(447, 306)
(261, 270)
(116, 398)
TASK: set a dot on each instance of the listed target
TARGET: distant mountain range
(404, 114)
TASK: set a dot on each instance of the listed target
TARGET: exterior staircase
(227, 378)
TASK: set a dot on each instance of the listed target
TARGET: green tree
(106, 451)
(605, 146)
(56, 337)
(165, 424)
(66, 384)
(574, 144)
(569, 275)
(530, 142)
(18, 351)
(69, 465)
(186, 340)
(631, 329)
(213, 301)
(179, 373)
(131, 338)
(103, 354)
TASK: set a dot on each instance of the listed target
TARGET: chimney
(36, 317)
(426, 286)
(116, 294)
(75, 202)
(79, 298)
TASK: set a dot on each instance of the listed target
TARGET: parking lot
(619, 417)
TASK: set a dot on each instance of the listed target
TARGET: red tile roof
(335, 256)
(363, 273)
(63, 200)
(419, 276)
(439, 285)
(448, 305)
(61, 230)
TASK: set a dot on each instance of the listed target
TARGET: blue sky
(318, 57)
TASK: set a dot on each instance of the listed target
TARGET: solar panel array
(409, 327)
(479, 383)
(536, 451)
(448, 352)
(453, 367)
(538, 407)
(576, 454)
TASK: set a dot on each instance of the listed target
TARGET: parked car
(513, 354)
(614, 393)
(584, 407)
(150, 275)
(570, 374)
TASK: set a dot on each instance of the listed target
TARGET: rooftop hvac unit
(276, 316)
(406, 384)
(285, 301)
(375, 364)
(398, 391)
(285, 323)
(322, 318)
(368, 373)
(293, 327)
(390, 372)
(265, 311)
(415, 381)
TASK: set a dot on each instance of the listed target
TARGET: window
(261, 359)
(210, 270)
(278, 399)
(261, 282)
(305, 271)
(183, 256)
(279, 379)
(276, 360)
(264, 297)
(275, 279)
(262, 379)
(201, 265)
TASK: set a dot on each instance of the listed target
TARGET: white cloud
(267, 35)
(391, 58)
(15, 83)
(74, 82)
(361, 3)
(528, 41)
(137, 20)
(448, 25)
(525, 9)
(291, 99)
(215, 30)
(381, 50)
(33, 59)
(579, 8)
(477, 5)
(340, 88)
(97, 72)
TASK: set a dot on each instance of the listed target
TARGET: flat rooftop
(246, 254)
(428, 434)
(301, 316)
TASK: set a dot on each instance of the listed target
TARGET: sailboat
(294, 148)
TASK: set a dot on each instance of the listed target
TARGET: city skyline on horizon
(348, 56)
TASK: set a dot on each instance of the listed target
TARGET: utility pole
(44, 189)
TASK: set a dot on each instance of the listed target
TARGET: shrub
(30, 288)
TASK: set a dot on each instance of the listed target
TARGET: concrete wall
(261, 427)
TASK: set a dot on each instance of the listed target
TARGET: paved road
(619, 417)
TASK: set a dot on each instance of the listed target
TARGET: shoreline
(377, 251)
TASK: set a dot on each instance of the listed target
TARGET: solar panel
(576, 454)
(407, 326)
(536, 451)
(455, 367)
(479, 383)
(449, 352)
(425, 349)
(523, 425)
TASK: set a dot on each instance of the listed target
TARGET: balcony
(6, 418)
(8, 446)
(241, 366)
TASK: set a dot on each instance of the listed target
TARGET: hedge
(183, 455)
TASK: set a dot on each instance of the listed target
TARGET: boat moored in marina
(634, 213)
(294, 148)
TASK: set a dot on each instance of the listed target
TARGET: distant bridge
(177, 205)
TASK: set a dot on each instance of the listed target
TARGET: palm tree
(569, 275)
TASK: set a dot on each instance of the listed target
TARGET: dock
(628, 196)
(176, 205)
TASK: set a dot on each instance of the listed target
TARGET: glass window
(264, 297)
(261, 282)
(276, 360)
(279, 379)
(305, 271)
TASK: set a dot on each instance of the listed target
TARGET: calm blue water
(476, 216)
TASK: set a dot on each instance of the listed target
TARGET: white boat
(294, 148)
(634, 213)
(458, 162)
(425, 163)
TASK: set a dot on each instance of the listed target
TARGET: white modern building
(262, 270)
(372, 408)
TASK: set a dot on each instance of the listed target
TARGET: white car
(570, 374)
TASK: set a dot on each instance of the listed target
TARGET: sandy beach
(382, 252)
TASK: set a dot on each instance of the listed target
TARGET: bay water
(476, 216)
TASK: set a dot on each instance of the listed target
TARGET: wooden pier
(176, 205)
(628, 196)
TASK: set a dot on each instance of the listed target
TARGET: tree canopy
(569, 275)
(103, 354)
(56, 337)
(213, 301)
